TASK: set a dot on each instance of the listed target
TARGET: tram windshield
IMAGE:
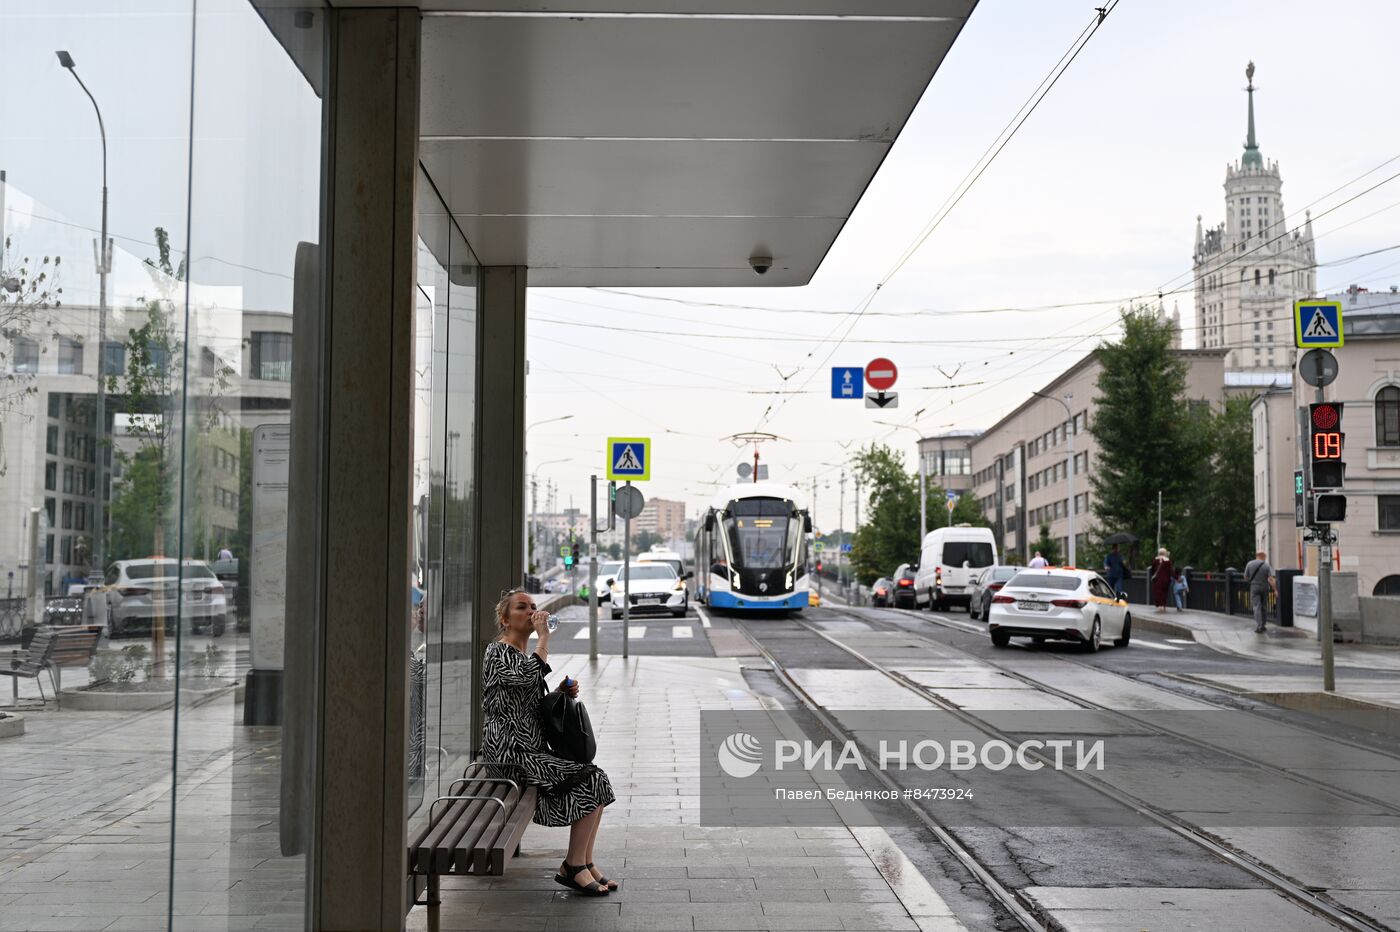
(758, 530)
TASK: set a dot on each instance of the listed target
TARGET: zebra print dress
(513, 685)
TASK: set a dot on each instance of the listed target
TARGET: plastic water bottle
(552, 623)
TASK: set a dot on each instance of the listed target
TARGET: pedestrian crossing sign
(629, 458)
(1318, 323)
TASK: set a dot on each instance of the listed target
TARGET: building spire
(1252, 158)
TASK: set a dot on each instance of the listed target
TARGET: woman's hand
(540, 620)
(569, 687)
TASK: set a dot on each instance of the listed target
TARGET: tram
(751, 549)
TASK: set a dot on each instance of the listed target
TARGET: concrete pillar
(359, 866)
(500, 453)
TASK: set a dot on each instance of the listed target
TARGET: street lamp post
(525, 461)
(103, 250)
(1069, 465)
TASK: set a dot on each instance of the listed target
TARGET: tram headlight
(789, 579)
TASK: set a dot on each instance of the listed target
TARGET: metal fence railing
(1225, 593)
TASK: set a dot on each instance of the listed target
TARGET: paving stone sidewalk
(674, 873)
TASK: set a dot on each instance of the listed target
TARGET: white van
(950, 560)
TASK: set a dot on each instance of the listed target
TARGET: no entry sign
(881, 374)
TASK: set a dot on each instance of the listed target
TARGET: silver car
(140, 591)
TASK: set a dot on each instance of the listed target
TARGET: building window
(26, 355)
(51, 440)
(1388, 417)
(68, 480)
(50, 507)
(1271, 276)
(113, 359)
(70, 356)
(51, 476)
(1390, 585)
(67, 519)
(1388, 513)
(271, 356)
(1256, 276)
(55, 404)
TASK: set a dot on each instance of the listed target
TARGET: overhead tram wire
(1005, 137)
(1125, 299)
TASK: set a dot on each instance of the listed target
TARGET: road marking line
(583, 633)
(681, 631)
(1154, 645)
(636, 631)
(1179, 641)
(704, 619)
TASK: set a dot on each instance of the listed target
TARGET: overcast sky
(1094, 200)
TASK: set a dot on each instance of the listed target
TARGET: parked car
(902, 595)
(987, 584)
(1059, 604)
(651, 587)
(951, 557)
(139, 591)
(880, 592)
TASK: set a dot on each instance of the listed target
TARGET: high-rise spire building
(1250, 269)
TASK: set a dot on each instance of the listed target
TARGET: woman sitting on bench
(570, 793)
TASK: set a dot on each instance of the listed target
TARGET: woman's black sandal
(592, 888)
(610, 884)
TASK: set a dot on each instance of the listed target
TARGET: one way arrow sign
(882, 399)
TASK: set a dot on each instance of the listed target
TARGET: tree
(1144, 433)
(28, 294)
(1217, 526)
(1048, 547)
(890, 534)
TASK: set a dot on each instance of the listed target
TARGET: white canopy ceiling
(664, 143)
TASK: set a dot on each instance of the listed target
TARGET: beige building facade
(1368, 385)
(1022, 467)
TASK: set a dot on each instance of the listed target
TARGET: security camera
(761, 264)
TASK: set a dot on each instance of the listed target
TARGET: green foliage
(1048, 546)
(1146, 438)
(889, 535)
(29, 292)
(1217, 524)
(110, 666)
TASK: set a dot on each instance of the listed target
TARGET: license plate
(1033, 606)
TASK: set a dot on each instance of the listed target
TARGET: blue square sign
(1317, 323)
(848, 382)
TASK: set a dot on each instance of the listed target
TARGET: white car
(652, 587)
(139, 591)
(606, 571)
(1057, 603)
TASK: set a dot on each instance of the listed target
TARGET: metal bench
(52, 649)
(473, 830)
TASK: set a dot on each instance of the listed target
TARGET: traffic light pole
(593, 570)
(1324, 596)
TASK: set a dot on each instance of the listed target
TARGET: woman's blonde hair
(503, 605)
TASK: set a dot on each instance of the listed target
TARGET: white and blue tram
(751, 549)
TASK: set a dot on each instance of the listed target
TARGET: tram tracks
(1025, 911)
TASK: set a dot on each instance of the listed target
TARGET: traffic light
(819, 566)
(574, 556)
(1325, 439)
(1331, 508)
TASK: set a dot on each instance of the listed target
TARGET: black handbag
(566, 727)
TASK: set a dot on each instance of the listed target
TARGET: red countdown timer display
(1326, 433)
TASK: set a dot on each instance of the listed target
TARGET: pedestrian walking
(1038, 561)
(570, 793)
(1115, 569)
(1160, 578)
(1180, 590)
(1259, 577)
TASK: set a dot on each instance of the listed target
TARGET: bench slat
(520, 819)
(481, 852)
